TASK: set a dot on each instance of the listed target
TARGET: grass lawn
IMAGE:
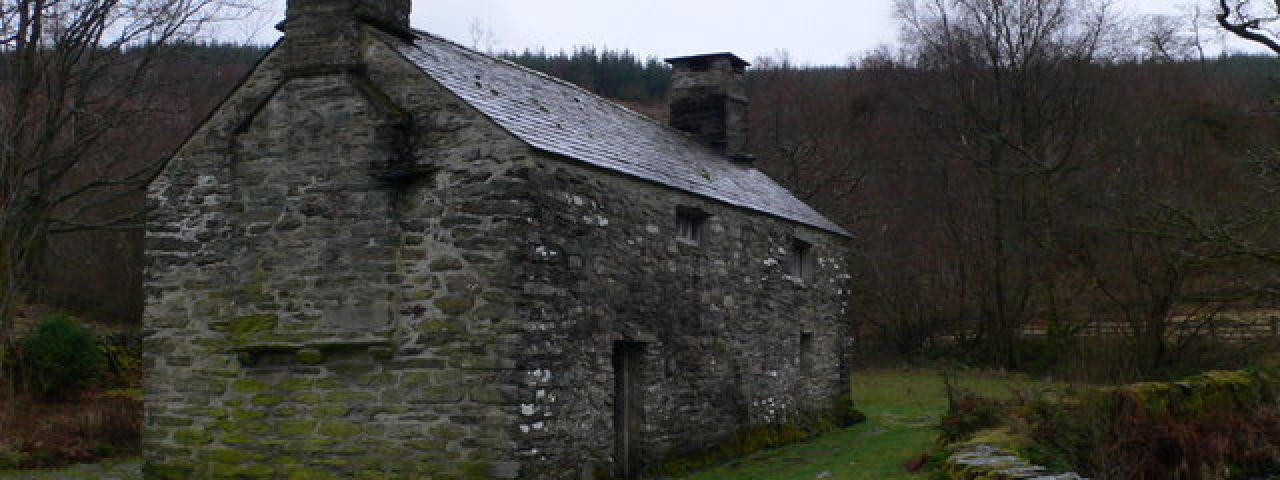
(902, 408)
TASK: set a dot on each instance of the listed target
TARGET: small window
(799, 259)
(689, 223)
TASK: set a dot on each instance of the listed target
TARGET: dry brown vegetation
(93, 426)
(72, 392)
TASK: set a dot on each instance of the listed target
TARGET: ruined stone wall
(308, 314)
(720, 321)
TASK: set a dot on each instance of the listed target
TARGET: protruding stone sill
(311, 352)
(982, 461)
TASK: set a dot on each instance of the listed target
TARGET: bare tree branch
(1235, 19)
(73, 73)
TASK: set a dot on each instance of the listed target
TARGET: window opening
(798, 265)
(689, 222)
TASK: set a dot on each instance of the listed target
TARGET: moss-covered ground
(902, 407)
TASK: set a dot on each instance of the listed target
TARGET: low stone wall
(1203, 394)
(992, 454)
(979, 461)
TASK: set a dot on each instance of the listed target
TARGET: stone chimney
(709, 101)
(322, 33)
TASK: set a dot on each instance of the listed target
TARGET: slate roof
(561, 118)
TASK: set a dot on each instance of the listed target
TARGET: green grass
(902, 407)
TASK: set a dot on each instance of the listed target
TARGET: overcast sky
(811, 31)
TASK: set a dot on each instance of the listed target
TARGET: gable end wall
(307, 318)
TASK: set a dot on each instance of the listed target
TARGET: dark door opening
(806, 355)
(627, 408)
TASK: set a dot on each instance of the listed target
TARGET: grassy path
(902, 408)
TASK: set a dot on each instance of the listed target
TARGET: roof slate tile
(561, 118)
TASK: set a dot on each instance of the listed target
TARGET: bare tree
(482, 36)
(1252, 20)
(1168, 38)
(1246, 230)
(814, 130)
(73, 74)
(1010, 123)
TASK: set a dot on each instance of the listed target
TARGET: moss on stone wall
(740, 443)
(760, 437)
(1204, 394)
(250, 328)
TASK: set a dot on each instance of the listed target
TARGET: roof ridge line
(567, 83)
(763, 197)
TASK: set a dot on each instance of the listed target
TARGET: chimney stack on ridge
(322, 33)
(709, 101)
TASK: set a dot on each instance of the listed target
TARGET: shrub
(123, 354)
(1213, 425)
(966, 413)
(10, 457)
(61, 357)
(845, 414)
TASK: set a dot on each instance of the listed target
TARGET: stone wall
(978, 461)
(306, 314)
(352, 273)
(720, 320)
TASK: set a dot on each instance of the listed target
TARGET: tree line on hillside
(1016, 164)
(616, 74)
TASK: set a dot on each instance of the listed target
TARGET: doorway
(628, 357)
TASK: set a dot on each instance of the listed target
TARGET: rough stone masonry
(388, 256)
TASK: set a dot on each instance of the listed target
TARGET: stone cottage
(388, 256)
